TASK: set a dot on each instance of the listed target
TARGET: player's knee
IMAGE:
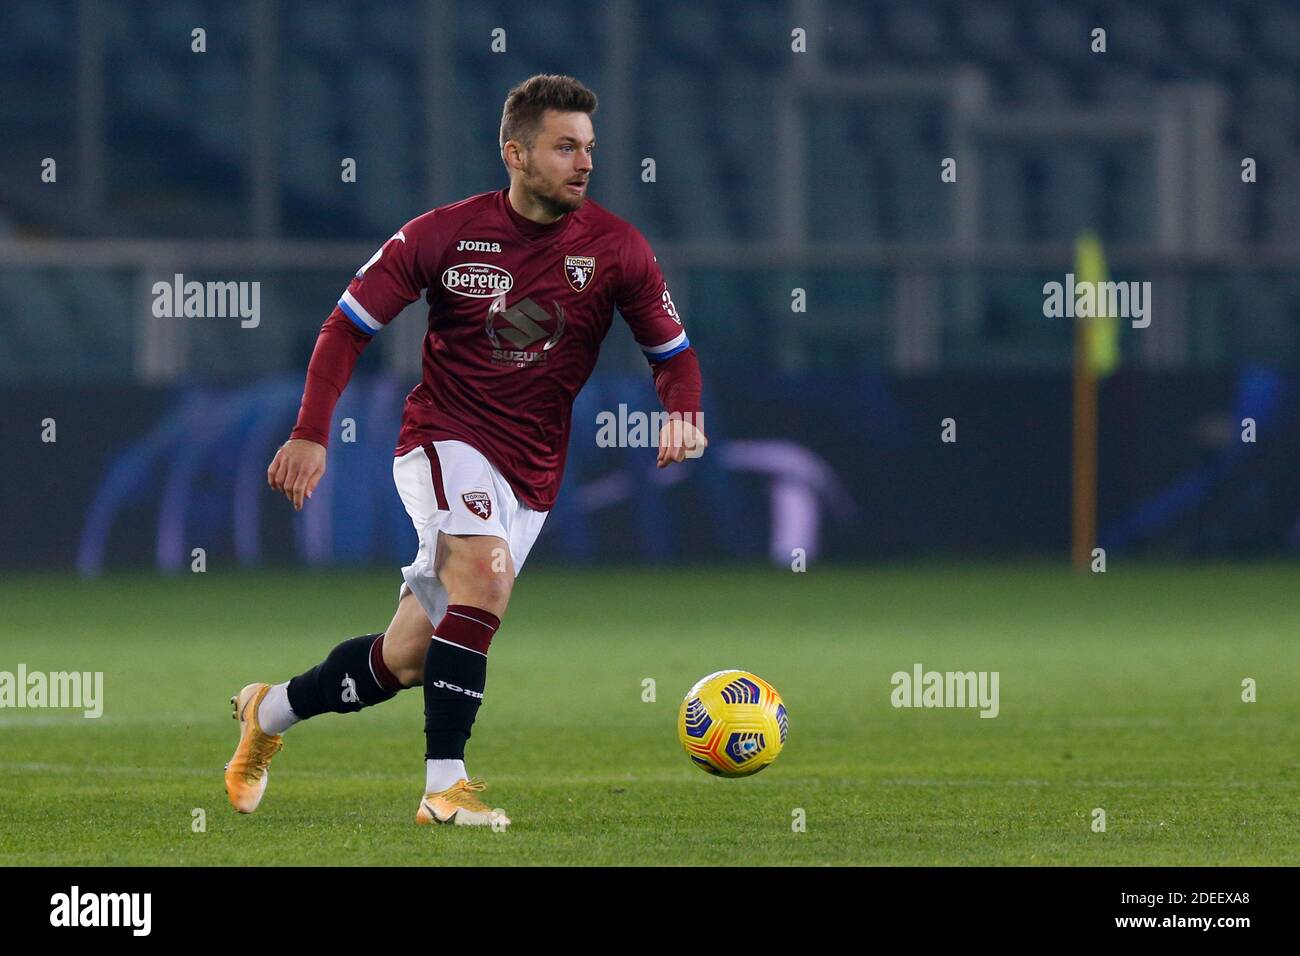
(477, 588)
(479, 575)
(490, 592)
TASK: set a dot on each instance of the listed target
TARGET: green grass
(1119, 691)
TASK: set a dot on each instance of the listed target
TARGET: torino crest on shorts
(479, 503)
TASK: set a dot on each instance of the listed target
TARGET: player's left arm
(677, 380)
(644, 302)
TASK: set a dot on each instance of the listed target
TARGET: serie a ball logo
(732, 724)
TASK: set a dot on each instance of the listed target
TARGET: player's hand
(297, 469)
(679, 440)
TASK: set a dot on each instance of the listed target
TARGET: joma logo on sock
(350, 690)
(103, 909)
(460, 690)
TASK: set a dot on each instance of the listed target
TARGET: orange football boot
(459, 804)
(247, 771)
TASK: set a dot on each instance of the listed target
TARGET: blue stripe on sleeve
(660, 356)
(347, 310)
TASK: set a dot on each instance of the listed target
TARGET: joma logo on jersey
(479, 503)
(472, 245)
(520, 325)
(579, 270)
(479, 280)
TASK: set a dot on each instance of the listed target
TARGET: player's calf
(455, 674)
(352, 677)
(406, 641)
(455, 666)
(360, 672)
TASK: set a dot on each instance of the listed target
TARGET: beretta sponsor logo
(481, 280)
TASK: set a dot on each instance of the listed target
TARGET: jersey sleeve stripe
(670, 348)
(358, 314)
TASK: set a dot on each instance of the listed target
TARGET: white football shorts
(450, 486)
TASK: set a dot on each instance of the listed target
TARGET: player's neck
(529, 208)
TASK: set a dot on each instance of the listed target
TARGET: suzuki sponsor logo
(479, 280)
(521, 325)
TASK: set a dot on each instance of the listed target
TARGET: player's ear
(512, 153)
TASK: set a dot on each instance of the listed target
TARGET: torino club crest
(579, 270)
(479, 503)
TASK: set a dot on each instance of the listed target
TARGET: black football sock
(455, 672)
(352, 677)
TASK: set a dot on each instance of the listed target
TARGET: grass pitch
(1119, 691)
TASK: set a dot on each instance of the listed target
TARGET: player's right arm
(390, 281)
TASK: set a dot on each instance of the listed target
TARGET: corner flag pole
(1084, 505)
(1096, 355)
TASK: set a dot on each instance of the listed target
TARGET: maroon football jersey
(517, 312)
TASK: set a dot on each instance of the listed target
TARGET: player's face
(558, 166)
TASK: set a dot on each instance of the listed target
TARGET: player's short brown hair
(526, 103)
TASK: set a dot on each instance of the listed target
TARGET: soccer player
(521, 284)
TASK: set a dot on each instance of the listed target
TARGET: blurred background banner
(848, 466)
(858, 207)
